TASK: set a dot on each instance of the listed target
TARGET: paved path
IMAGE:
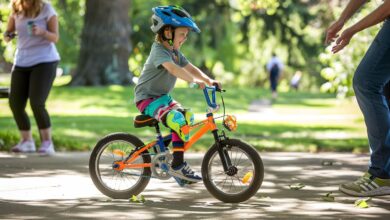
(59, 187)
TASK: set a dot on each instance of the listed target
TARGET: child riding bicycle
(165, 64)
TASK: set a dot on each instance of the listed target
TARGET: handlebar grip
(194, 86)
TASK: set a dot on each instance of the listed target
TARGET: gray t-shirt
(31, 50)
(155, 80)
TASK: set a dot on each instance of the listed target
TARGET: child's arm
(195, 71)
(182, 73)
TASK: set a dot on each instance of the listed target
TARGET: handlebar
(211, 102)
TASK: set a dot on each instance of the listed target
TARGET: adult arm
(10, 29)
(350, 9)
(375, 17)
(51, 34)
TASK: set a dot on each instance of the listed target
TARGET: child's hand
(216, 83)
(201, 84)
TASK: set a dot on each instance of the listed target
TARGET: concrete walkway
(59, 187)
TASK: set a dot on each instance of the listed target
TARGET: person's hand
(38, 31)
(201, 84)
(8, 36)
(215, 82)
(343, 40)
(331, 32)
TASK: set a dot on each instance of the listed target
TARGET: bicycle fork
(224, 155)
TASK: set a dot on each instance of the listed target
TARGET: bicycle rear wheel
(118, 184)
(244, 177)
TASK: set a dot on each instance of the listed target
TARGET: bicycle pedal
(179, 181)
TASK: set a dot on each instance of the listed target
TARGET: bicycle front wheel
(118, 184)
(242, 180)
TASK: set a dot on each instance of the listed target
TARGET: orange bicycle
(121, 165)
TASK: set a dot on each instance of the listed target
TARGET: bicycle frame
(207, 125)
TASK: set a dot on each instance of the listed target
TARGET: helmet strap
(170, 41)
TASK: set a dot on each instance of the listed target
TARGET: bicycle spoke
(118, 180)
(231, 184)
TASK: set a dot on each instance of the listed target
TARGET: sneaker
(47, 148)
(367, 185)
(24, 147)
(184, 172)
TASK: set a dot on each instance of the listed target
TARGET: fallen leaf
(362, 203)
(142, 199)
(133, 198)
(328, 197)
(297, 186)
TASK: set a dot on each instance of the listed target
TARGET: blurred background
(103, 45)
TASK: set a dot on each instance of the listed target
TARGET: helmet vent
(166, 13)
(180, 13)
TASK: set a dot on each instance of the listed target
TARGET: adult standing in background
(369, 80)
(35, 24)
(274, 68)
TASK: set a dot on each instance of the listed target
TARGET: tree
(105, 44)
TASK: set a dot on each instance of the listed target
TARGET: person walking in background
(370, 77)
(295, 80)
(274, 68)
(35, 24)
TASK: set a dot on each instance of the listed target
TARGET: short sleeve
(183, 60)
(160, 56)
(50, 12)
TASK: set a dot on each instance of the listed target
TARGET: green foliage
(6, 49)
(237, 39)
(70, 19)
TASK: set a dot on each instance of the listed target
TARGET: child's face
(181, 34)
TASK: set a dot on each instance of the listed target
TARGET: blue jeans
(370, 77)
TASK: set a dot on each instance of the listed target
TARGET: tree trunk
(105, 44)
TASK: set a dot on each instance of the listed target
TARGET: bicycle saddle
(144, 120)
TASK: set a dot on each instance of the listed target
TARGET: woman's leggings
(32, 83)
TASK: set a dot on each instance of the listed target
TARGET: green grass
(297, 121)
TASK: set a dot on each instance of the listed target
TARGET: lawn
(296, 121)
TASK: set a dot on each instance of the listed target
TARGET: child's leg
(178, 150)
(175, 120)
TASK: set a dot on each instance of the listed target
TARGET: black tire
(211, 171)
(103, 174)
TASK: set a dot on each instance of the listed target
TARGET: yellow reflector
(118, 152)
(248, 176)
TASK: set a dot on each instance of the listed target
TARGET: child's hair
(17, 8)
(158, 37)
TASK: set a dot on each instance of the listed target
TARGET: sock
(178, 150)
